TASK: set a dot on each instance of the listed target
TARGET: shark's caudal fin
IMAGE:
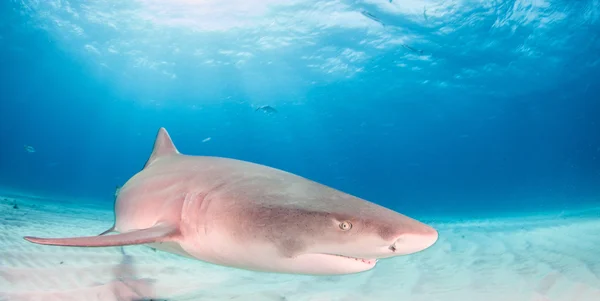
(163, 145)
(158, 233)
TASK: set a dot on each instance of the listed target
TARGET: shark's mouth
(367, 261)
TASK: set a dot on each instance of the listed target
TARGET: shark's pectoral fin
(158, 233)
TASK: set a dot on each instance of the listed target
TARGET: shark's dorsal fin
(163, 146)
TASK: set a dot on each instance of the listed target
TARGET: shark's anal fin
(158, 233)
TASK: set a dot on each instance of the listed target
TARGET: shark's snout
(409, 243)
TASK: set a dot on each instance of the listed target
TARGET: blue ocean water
(427, 107)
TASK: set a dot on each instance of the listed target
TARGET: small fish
(266, 109)
(412, 49)
(206, 140)
(371, 16)
(29, 148)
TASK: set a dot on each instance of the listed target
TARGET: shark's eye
(346, 225)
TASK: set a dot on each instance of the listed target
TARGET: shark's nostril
(393, 248)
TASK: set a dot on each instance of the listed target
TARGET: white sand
(509, 259)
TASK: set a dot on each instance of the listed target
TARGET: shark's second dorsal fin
(163, 146)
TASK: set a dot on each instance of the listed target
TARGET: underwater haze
(465, 106)
(478, 118)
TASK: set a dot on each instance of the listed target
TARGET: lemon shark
(245, 215)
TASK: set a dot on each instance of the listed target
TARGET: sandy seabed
(531, 258)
